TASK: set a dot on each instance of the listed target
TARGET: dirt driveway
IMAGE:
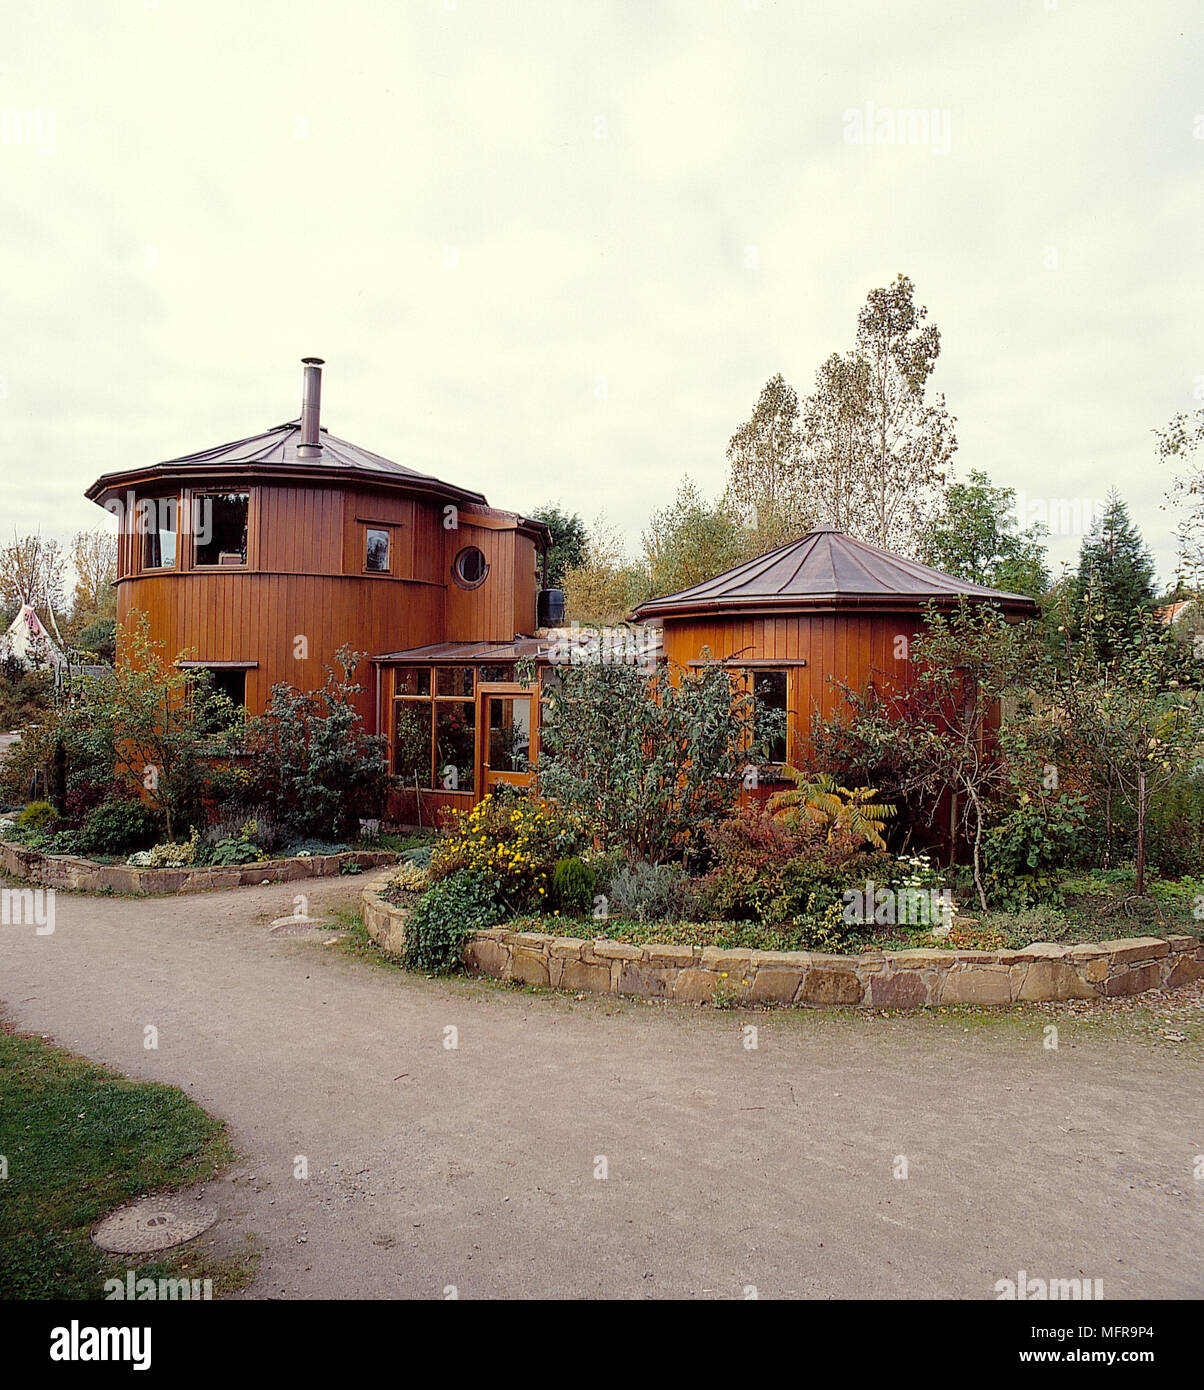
(726, 1166)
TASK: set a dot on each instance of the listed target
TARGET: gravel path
(727, 1167)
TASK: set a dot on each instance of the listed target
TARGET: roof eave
(253, 470)
(833, 602)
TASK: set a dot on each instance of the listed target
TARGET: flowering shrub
(513, 844)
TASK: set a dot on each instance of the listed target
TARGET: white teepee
(28, 641)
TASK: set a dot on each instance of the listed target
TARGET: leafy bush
(442, 919)
(645, 757)
(573, 886)
(1177, 826)
(511, 842)
(60, 842)
(100, 638)
(1027, 846)
(825, 930)
(240, 847)
(790, 876)
(767, 869)
(118, 826)
(177, 856)
(645, 892)
(24, 694)
(38, 816)
(85, 792)
(313, 764)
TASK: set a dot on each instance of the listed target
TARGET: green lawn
(79, 1141)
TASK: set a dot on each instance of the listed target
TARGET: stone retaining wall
(69, 871)
(877, 979)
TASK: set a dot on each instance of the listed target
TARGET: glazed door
(506, 735)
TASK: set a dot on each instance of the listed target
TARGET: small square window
(454, 680)
(412, 680)
(376, 558)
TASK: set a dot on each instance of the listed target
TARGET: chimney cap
(314, 361)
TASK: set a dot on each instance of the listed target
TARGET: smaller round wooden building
(821, 610)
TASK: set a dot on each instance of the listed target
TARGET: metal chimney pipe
(311, 409)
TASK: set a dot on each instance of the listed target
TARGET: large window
(769, 693)
(220, 528)
(434, 727)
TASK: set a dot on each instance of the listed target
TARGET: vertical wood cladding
(305, 590)
(851, 647)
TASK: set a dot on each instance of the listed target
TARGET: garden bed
(1044, 971)
(86, 875)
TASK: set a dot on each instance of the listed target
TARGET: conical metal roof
(277, 448)
(827, 569)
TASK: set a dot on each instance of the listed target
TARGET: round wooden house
(261, 558)
(820, 611)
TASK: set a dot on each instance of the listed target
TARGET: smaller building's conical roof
(827, 569)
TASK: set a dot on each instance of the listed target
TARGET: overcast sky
(553, 250)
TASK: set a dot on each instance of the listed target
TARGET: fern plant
(832, 807)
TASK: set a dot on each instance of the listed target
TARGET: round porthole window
(470, 567)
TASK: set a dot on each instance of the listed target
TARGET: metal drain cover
(154, 1223)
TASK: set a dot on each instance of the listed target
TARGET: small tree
(646, 758)
(976, 536)
(939, 734)
(313, 763)
(606, 586)
(154, 722)
(766, 488)
(1138, 724)
(569, 539)
(689, 542)
(1113, 587)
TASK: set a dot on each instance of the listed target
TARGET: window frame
(197, 496)
(143, 538)
(433, 700)
(751, 674)
(386, 529)
(458, 578)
